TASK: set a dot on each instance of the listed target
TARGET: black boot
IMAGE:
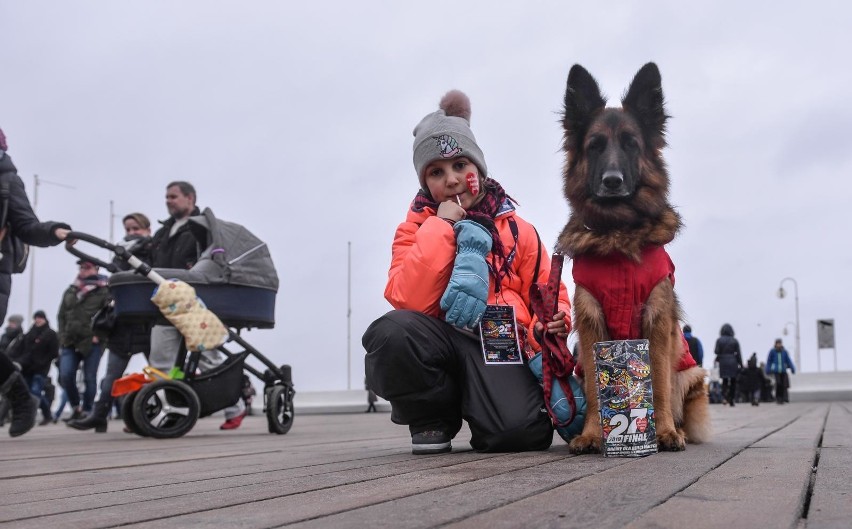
(24, 404)
(97, 419)
(4, 410)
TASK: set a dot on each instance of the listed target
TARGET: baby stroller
(236, 280)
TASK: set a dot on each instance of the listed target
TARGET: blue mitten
(559, 402)
(467, 292)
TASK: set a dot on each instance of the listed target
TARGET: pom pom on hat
(445, 134)
(456, 103)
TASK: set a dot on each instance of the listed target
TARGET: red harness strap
(622, 287)
(556, 360)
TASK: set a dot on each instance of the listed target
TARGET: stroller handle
(120, 251)
(74, 236)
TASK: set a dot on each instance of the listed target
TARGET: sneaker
(430, 442)
(233, 423)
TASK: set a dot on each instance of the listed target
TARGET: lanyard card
(499, 333)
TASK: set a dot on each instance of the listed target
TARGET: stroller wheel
(127, 414)
(279, 409)
(166, 409)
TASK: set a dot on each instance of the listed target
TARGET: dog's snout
(613, 179)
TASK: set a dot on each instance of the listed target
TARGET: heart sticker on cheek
(472, 183)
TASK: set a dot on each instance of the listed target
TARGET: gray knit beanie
(446, 134)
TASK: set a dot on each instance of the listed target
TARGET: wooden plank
(831, 500)
(775, 471)
(357, 470)
(80, 451)
(444, 506)
(288, 499)
(198, 473)
(617, 496)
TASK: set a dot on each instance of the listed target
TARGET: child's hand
(557, 326)
(450, 210)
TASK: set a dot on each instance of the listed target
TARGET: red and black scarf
(87, 284)
(484, 213)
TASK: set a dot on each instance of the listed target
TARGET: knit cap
(446, 134)
(39, 314)
(16, 318)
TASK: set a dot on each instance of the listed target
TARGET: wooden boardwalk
(770, 466)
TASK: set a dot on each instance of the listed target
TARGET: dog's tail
(694, 415)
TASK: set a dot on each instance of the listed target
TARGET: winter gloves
(467, 292)
(559, 402)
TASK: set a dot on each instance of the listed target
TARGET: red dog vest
(622, 287)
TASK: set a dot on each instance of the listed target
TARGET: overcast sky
(295, 119)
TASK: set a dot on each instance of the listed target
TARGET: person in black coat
(752, 381)
(39, 349)
(730, 361)
(174, 245)
(26, 226)
(10, 340)
(12, 331)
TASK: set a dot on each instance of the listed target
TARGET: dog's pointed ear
(582, 99)
(644, 99)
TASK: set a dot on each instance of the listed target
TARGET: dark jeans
(434, 376)
(69, 361)
(36, 384)
(116, 364)
(782, 382)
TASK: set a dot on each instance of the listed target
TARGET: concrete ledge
(804, 387)
(821, 387)
(342, 401)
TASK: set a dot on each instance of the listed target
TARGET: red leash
(556, 360)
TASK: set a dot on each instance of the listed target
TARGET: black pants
(729, 389)
(434, 376)
(7, 368)
(782, 382)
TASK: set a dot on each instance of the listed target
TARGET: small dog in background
(616, 182)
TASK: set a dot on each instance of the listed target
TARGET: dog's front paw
(585, 444)
(673, 441)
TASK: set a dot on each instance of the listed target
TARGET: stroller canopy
(232, 255)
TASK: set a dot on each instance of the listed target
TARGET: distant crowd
(86, 326)
(732, 382)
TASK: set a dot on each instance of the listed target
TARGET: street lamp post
(781, 294)
(32, 266)
(349, 315)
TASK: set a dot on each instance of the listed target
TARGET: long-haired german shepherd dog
(616, 182)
